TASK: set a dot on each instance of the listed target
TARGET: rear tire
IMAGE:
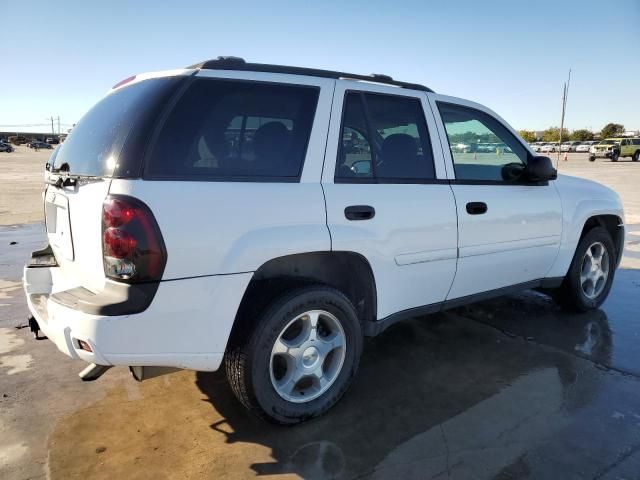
(636, 156)
(584, 288)
(592, 158)
(615, 156)
(285, 369)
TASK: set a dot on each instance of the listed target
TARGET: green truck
(614, 148)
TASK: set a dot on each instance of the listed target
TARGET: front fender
(581, 200)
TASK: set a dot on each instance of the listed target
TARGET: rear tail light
(132, 247)
(84, 346)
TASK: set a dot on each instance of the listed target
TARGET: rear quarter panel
(212, 228)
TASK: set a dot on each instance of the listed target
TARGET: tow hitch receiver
(34, 327)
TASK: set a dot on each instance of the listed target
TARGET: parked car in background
(52, 141)
(569, 146)
(129, 279)
(585, 146)
(549, 148)
(17, 139)
(614, 148)
(39, 144)
(6, 147)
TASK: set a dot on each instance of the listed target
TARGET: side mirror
(540, 169)
(361, 167)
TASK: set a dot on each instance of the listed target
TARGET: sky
(60, 58)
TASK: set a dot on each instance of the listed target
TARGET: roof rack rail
(237, 63)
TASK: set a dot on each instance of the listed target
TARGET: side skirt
(371, 329)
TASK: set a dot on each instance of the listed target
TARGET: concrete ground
(507, 389)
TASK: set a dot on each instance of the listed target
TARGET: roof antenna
(565, 94)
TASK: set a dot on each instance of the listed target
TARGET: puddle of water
(609, 336)
(28, 237)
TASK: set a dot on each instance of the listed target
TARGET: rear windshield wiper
(60, 181)
(60, 177)
(70, 180)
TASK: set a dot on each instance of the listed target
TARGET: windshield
(94, 145)
(608, 142)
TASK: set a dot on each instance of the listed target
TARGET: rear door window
(235, 130)
(384, 140)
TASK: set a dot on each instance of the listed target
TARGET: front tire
(300, 357)
(592, 158)
(615, 156)
(590, 276)
(636, 156)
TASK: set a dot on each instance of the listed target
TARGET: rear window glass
(235, 130)
(94, 145)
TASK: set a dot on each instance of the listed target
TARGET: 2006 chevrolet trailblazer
(269, 217)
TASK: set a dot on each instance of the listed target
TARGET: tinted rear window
(95, 144)
(235, 130)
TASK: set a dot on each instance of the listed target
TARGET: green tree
(553, 134)
(528, 135)
(611, 130)
(582, 135)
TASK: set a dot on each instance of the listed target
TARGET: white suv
(269, 217)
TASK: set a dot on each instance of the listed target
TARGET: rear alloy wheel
(307, 356)
(300, 357)
(588, 281)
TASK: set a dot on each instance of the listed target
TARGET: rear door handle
(476, 208)
(359, 212)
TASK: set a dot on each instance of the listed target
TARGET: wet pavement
(505, 389)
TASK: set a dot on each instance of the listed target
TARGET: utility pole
(565, 93)
(52, 130)
(58, 124)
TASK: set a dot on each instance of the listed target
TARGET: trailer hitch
(34, 327)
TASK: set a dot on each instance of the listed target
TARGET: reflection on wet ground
(508, 388)
(535, 317)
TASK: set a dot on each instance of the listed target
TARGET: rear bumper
(187, 324)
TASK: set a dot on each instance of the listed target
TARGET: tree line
(583, 135)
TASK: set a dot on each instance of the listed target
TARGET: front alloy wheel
(588, 281)
(594, 270)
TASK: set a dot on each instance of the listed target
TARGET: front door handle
(476, 208)
(359, 212)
